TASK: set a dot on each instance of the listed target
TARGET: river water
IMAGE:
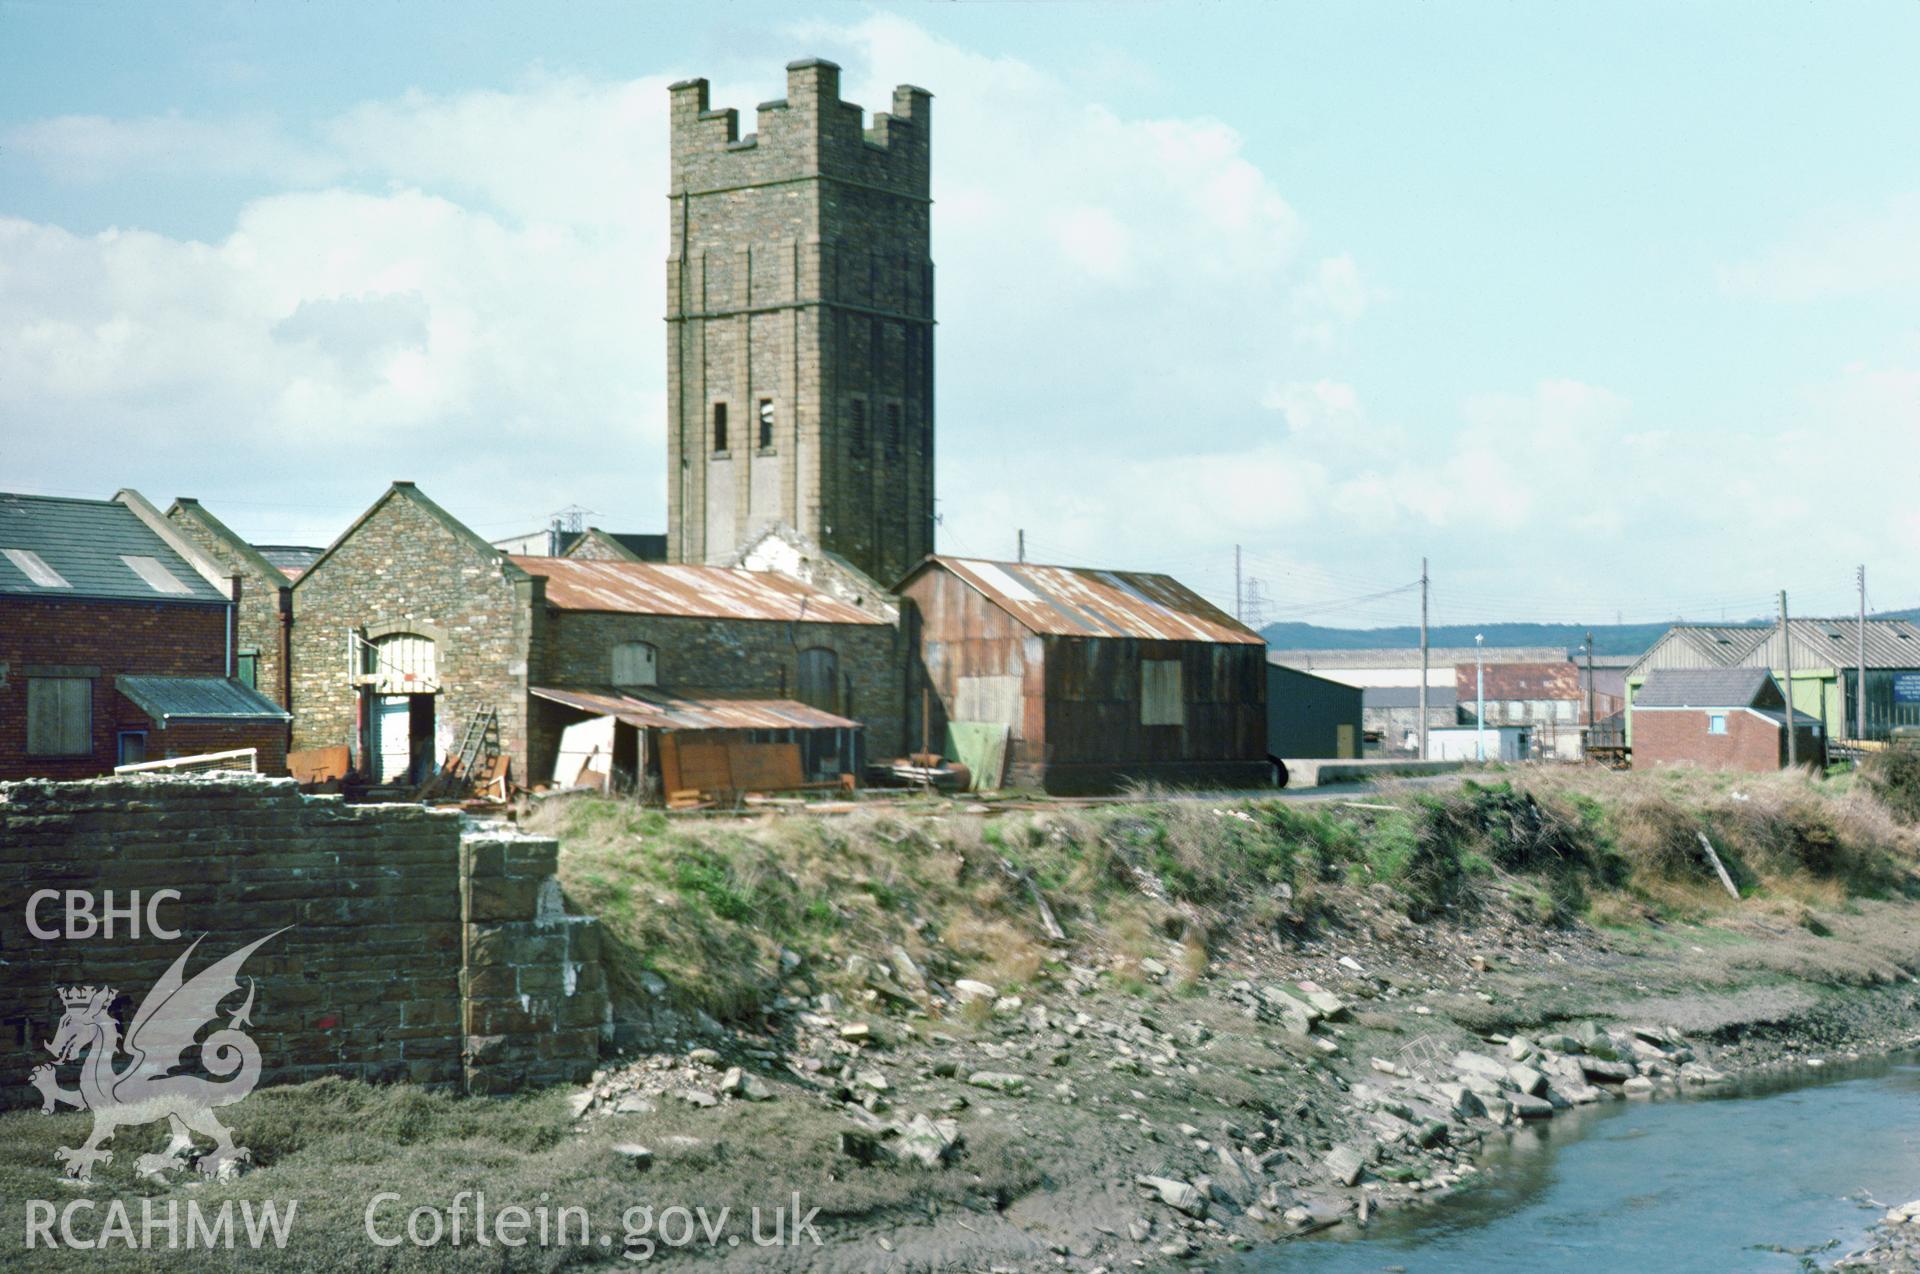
(1745, 1180)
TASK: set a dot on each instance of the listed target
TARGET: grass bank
(708, 907)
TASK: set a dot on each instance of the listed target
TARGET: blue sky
(1607, 310)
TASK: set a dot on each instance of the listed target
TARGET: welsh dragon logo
(146, 1088)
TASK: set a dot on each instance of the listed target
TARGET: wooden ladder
(480, 741)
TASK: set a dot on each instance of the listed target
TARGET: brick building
(116, 644)
(800, 325)
(1095, 678)
(1719, 718)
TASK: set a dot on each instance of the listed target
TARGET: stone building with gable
(410, 624)
(263, 609)
(405, 627)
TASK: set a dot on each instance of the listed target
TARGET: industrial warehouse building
(1309, 716)
(1825, 655)
(652, 654)
(1097, 678)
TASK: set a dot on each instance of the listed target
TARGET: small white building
(1462, 743)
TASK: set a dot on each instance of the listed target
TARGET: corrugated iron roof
(1699, 646)
(657, 709)
(1834, 643)
(197, 698)
(1072, 601)
(88, 544)
(701, 592)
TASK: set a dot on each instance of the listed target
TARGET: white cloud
(1843, 254)
(90, 148)
(1331, 301)
(465, 288)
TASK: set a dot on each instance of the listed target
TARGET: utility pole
(1591, 723)
(1423, 659)
(1479, 697)
(1238, 612)
(1860, 676)
(1022, 533)
(1786, 655)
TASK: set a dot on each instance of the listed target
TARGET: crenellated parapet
(808, 133)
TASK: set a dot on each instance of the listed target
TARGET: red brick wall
(164, 639)
(1679, 737)
(191, 738)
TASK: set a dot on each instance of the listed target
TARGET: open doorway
(400, 743)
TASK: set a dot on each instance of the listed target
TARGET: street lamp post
(1479, 696)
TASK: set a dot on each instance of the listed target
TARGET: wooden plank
(670, 763)
(1718, 867)
(704, 765)
(764, 767)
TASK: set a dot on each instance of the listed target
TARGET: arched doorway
(400, 680)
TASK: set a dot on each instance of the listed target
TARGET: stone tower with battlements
(800, 325)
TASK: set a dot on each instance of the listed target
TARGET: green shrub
(1893, 778)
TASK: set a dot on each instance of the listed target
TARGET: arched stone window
(401, 662)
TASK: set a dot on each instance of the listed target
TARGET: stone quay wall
(373, 911)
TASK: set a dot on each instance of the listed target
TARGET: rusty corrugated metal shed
(656, 709)
(700, 592)
(1071, 601)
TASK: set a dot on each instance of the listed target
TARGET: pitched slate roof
(1703, 688)
(67, 548)
(289, 559)
(1072, 601)
(197, 699)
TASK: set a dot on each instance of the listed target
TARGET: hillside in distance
(1608, 639)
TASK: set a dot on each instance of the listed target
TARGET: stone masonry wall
(535, 994)
(800, 273)
(403, 565)
(365, 977)
(738, 657)
(257, 619)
